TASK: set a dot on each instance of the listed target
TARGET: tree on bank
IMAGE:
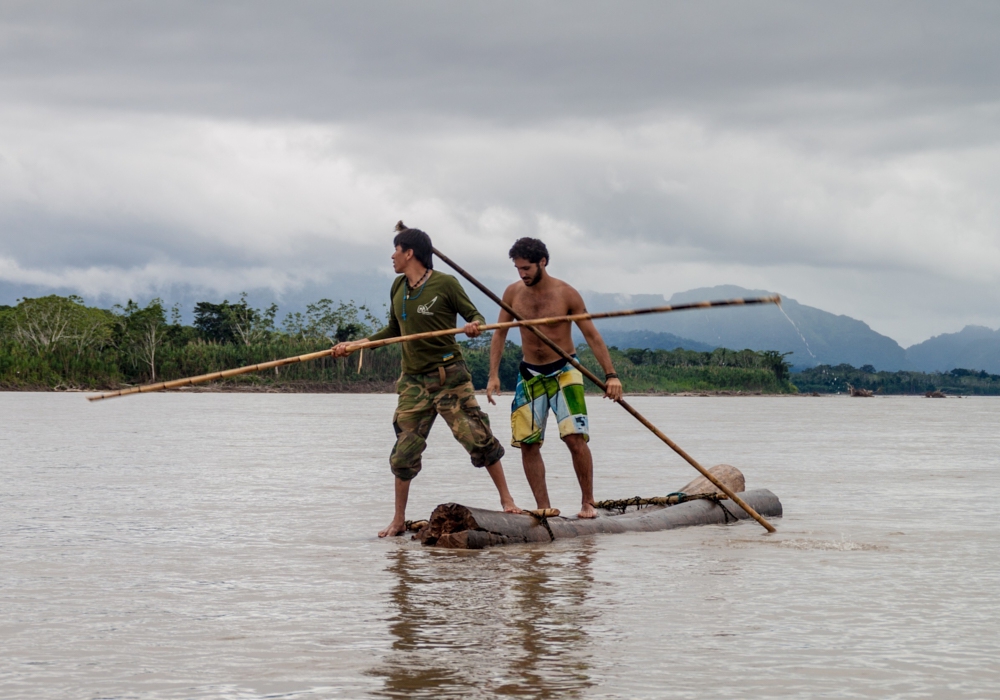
(234, 323)
(322, 320)
(47, 323)
(140, 331)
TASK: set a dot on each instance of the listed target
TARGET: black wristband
(610, 375)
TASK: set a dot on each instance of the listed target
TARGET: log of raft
(455, 526)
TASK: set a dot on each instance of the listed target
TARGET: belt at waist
(441, 370)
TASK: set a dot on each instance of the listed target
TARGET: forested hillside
(974, 347)
(61, 343)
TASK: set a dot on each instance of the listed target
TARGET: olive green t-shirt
(433, 307)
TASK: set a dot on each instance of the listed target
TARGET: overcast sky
(844, 154)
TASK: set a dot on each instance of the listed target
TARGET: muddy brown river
(223, 546)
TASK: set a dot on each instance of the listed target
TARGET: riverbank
(370, 386)
(379, 386)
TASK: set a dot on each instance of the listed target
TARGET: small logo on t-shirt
(425, 309)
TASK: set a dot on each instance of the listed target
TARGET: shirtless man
(435, 380)
(546, 379)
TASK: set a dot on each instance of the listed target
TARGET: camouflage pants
(447, 392)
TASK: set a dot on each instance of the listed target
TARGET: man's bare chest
(529, 305)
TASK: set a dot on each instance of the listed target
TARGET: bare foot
(587, 511)
(396, 527)
(509, 507)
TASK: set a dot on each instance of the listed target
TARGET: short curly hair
(531, 249)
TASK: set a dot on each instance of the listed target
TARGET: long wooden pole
(201, 378)
(624, 404)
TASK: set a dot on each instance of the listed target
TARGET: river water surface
(222, 546)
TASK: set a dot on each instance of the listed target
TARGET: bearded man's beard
(534, 280)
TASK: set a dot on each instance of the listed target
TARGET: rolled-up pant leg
(412, 421)
(457, 404)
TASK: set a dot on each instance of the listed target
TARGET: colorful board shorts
(562, 391)
(448, 392)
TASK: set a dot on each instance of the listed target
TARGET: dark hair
(531, 249)
(416, 240)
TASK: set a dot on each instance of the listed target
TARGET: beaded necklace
(406, 294)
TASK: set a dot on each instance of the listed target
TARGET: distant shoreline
(389, 388)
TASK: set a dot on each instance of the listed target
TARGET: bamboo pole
(201, 378)
(624, 404)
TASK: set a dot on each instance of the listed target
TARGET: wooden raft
(455, 526)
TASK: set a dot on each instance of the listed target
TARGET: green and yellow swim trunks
(558, 386)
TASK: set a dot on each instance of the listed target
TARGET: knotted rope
(671, 499)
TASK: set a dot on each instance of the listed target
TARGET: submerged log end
(447, 519)
(462, 527)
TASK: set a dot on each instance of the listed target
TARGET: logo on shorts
(425, 309)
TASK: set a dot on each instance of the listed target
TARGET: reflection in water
(503, 622)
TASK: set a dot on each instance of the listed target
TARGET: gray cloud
(517, 61)
(846, 155)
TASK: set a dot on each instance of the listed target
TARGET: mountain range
(812, 335)
(973, 347)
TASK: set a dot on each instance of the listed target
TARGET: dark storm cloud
(149, 147)
(515, 61)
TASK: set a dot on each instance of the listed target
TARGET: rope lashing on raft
(415, 525)
(671, 499)
(542, 516)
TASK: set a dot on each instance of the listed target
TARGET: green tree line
(56, 342)
(673, 371)
(59, 342)
(830, 380)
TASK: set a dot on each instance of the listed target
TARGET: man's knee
(530, 450)
(471, 427)
(577, 444)
(485, 451)
(405, 473)
(405, 459)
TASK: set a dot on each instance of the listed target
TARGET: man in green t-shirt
(435, 379)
